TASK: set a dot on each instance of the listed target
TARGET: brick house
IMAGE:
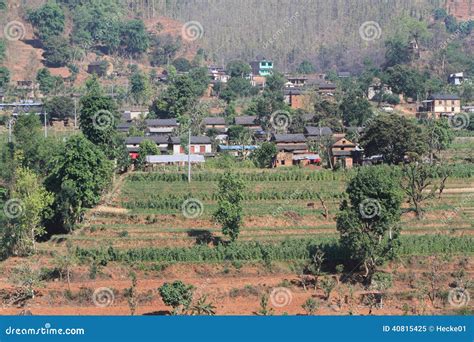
(199, 145)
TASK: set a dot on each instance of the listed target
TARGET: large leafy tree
(356, 110)
(394, 137)
(147, 148)
(133, 38)
(57, 51)
(78, 177)
(48, 20)
(306, 67)
(48, 84)
(140, 88)
(59, 107)
(263, 156)
(238, 68)
(98, 115)
(26, 209)
(367, 221)
(229, 206)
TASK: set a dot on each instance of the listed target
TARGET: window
(181, 149)
(282, 162)
(440, 102)
(452, 109)
(202, 149)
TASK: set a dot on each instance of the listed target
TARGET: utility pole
(10, 121)
(189, 155)
(75, 113)
(45, 126)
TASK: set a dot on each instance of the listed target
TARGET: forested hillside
(288, 31)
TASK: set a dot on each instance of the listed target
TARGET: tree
(133, 38)
(140, 88)
(394, 137)
(178, 98)
(356, 110)
(368, 221)
(264, 155)
(178, 295)
(78, 178)
(182, 64)
(48, 20)
(229, 207)
(164, 48)
(147, 148)
(440, 136)
(306, 67)
(48, 83)
(59, 107)
(132, 295)
(26, 210)
(418, 178)
(98, 116)
(237, 87)
(4, 76)
(57, 51)
(238, 68)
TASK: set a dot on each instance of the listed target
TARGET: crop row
(288, 249)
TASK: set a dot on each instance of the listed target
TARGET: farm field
(143, 226)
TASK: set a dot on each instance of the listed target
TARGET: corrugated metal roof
(237, 147)
(245, 120)
(289, 138)
(311, 130)
(213, 121)
(194, 158)
(194, 140)
(161, 122)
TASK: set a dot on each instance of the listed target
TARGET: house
(345, 152)
(290, 142)
(344, 74)
(456, 79)
(258, 81)
(248, 121)
(262, 67)
(293, 150)
(217, 74)
(322, 87)
(100, 68)
(133, 144)
(29, 88)
(134, 113)
(377, 87)
(161, 126)
(216, 123)
(199, 145)
(181, 159)
(297, 98)
(295, 81)
(442, 105)
(124, 127)
(315, 133)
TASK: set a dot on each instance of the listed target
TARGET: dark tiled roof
(308, 117)
(159, 139)
(444, 97)
(245, 120)
(292, 147)
(213, 121)
(291, 138)
(194, 140)
(124, 126)
(311, 130)
(161, 122)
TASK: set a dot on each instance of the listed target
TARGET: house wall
(283, 159)
(195, 149)
(447, 106)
